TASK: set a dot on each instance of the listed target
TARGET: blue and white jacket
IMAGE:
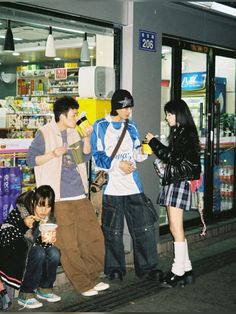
(104, 138)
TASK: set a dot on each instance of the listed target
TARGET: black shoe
(189, 278)
(155, 275)
(115, 274)
(172, 280)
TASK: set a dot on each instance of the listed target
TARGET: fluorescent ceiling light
(214, 6)
(14, 38)
(68, 30)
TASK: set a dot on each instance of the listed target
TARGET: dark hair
(183, 117)
(63, 105)
(38, 196)
(181, 111)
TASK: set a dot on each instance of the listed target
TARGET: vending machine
(223, 136)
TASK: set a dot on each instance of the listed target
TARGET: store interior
(44, 63)
(41, 58)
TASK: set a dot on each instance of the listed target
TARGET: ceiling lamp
(50, 50)
(85, 55)
(9, 41)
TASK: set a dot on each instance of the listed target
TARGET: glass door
(193, 92)
(205, 77)
(224, 134)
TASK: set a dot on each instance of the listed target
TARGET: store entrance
(206, 81)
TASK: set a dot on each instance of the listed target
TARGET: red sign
(60, 74)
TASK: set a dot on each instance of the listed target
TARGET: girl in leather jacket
(181, 160)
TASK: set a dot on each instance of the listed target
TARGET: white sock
(178, 264)
(187, 262)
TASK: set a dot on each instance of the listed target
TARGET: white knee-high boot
(187, 262)
(178, 266)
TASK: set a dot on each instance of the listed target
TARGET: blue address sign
(147, 40)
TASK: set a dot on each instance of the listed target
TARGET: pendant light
(85, 55)
(50, 50)
(9, 41)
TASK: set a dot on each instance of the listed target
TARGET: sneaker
(48, 295)
(101, 286)
(89, 293)
(28, 301)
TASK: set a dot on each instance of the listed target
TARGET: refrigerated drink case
(194, 93)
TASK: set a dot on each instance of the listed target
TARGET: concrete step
(222, 229)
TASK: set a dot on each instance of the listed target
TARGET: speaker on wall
(96, 82)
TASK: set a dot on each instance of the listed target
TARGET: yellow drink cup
(146, 148)
(82, 124)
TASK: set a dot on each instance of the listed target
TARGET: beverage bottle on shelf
(231, 191)
(223, 190)
(231, 174)
(40, 86)
(224, 177)
(223, 203)
(227, 174)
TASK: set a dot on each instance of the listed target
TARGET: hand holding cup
(48, 232)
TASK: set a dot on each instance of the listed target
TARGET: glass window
(224, 167)
(166, 69)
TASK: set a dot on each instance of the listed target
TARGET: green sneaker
(47, 294)
(28, 301)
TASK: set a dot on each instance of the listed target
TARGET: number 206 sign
(147, 40)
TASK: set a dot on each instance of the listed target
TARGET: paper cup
(146, 148)
(48, 232)
(82, 123)
(47, 227)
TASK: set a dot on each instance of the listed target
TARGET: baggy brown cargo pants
(80, 239)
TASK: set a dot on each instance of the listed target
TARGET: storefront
(187, 41)
(33, 77)
(205, 79)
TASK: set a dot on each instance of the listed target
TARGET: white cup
(48, 232)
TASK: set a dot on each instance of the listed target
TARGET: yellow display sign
(94, 108)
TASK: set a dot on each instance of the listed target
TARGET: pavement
(214, 264)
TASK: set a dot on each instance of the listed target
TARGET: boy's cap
(121, 99)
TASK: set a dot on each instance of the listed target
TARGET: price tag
(147, 40)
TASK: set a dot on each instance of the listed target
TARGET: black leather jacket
(181, 157)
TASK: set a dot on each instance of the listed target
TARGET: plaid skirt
(176, 195)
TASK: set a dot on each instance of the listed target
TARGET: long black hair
(38, 196)
(181, 111)
(183, 117)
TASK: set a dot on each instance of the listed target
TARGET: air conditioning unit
(96, 82)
